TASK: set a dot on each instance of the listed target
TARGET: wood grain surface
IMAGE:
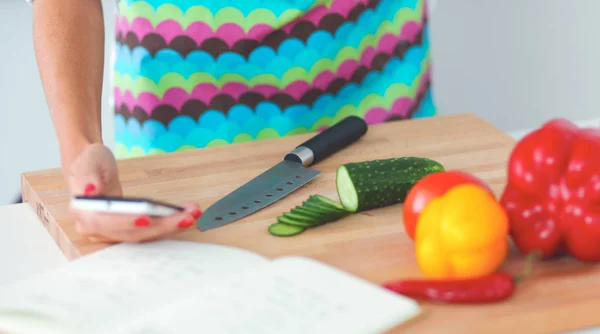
(561, 295)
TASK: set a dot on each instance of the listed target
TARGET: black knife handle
(328, 142)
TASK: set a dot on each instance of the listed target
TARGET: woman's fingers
(135, 229)
(158, 229)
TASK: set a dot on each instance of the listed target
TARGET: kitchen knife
(285, 177)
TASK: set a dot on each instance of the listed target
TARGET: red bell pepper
(552, 196)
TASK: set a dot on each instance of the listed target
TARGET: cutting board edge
(31, 197)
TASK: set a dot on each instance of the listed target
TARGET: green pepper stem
(535, 255)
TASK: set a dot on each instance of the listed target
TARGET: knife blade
(285, 177)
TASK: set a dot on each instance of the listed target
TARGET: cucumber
(361, 186)
(285, 230)
(374, 184)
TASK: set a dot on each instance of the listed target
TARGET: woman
(197, 73)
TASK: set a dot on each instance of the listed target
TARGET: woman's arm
(69, 44)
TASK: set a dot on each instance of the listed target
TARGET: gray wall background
(515, 63)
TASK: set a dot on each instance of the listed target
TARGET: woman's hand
(94, 172)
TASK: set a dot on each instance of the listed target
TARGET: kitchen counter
(39, 253)
(26, 248)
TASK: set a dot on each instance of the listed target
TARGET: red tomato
(429, 187)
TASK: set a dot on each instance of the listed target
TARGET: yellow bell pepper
(462, 234)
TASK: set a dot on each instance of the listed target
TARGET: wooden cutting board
(561, 295)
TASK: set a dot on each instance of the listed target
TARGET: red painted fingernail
(185, 223)
(142, 222)
(89, 189)
(197, 213)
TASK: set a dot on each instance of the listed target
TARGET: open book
(187, 287)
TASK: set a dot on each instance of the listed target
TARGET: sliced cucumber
(301, 218)
(327, 202)
(285, 230)
(361, 186)
(374, 184)
(321, 217)
(320, 209)
(285, 219)
(313, 212)
(307, 212)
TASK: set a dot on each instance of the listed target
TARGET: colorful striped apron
(199, 73)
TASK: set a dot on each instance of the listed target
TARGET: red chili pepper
(490, 288)
(485, 289)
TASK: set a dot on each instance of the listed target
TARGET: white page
(120, 283)
(288, 296)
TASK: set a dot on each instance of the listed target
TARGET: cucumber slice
(302, 218)
(374, 184)
(321, 219)
(328, 202)
(324, 212)
(320, 209)
(308, 215)
(323, 208)
(312, 221)
(285, 230)
(286, 219)
(307, 212)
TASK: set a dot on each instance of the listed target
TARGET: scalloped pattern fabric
(191, 74)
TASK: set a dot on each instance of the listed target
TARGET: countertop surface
(26, 248)
(39, 253)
